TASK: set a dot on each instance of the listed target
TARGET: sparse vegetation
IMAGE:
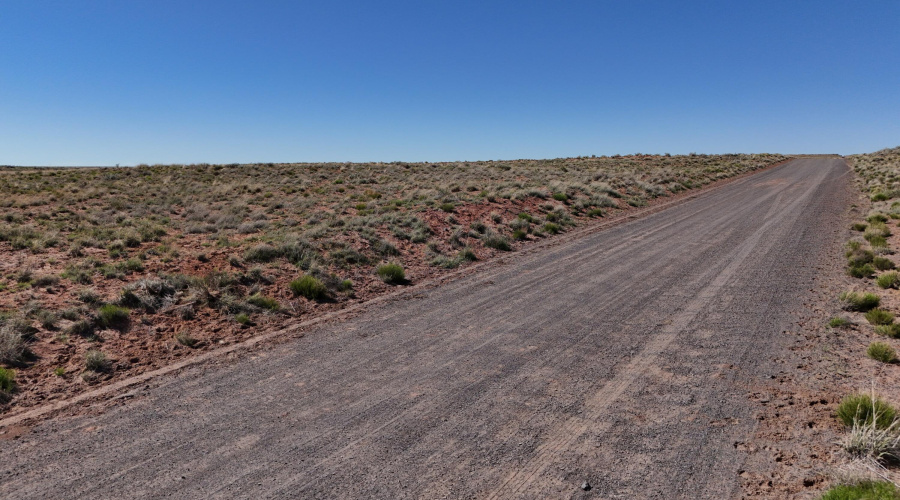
(169, 248)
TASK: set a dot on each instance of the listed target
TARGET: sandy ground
(668, 357)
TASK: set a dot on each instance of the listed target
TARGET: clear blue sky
(106, 82)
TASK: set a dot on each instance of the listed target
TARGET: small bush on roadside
(95, 361)
(7, 382)
(859, 226)
(880, 317)
(892, 330)
(862, 271)
(883, 263)
(12, 345)
(309, 287)
(496, 241)
(838, 322)
(875, 218)
(113, 316)
(184, 338)
(391, 273)
(243, 319)
(864, 490)
(888, 280)
(882, 351)
(864, 408)
(82, 328)
(262, 253)
(551, 228)
(264, 302)
(855, 301)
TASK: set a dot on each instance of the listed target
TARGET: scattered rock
(586, 486)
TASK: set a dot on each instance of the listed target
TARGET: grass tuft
(864, 408)
(881, 351)
(309, 287)
(391, 273)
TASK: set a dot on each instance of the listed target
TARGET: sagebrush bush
(496, 241)
(391, 273)
(310, 287)
(881, 351)
(864, 408)
(95, 361)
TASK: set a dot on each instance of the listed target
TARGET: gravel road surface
(622, 358)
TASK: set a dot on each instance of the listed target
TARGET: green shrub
(519, 234)
(888, 280)
(526, 217)
(880, 317)
(112, 316)
(391, 273)
(857, 256)
(59, 371)
(264, 302)
(855, 301)
(243, 319)
(865, 490)
(883, 263)
(874, 218)
(859, 226)
(496, 241)
(309, 287)
(447, 207)
(837, 322)
(863, 271)
(95, 361)
(879, 197)
(864, 409)
(551, 228)
(892, 330)
(595, 212)
(877, 241)
(882, 352)
(560, 197)
(467, 254)
(7, 382)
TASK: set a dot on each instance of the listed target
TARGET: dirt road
(623, 358)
